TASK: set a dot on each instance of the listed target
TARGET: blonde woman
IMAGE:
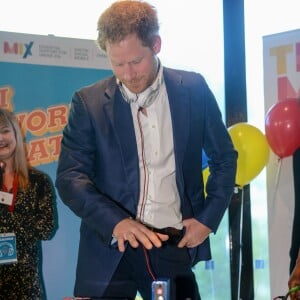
(26, 215)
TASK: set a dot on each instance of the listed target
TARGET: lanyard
(14, 192)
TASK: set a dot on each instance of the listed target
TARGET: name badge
(6, 198)
(8, 248)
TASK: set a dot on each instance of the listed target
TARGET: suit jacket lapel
(119, 113)
(179, 107)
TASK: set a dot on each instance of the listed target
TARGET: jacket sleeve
(76, 173)
(222, 161)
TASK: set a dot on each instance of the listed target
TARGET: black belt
(175, 235)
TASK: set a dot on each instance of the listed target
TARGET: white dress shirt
(159, 202)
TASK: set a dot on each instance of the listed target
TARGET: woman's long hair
(20, 163)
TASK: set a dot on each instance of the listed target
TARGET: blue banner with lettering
(38, 78)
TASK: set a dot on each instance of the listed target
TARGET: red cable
(143, 202)
(151, 273)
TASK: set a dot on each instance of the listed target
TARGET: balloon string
(276, 186)
(241, 242)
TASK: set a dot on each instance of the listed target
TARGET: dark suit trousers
(139, 267)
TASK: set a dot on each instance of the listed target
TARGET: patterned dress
(32, 221)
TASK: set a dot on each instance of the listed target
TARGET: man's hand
(136, 233)
(195, 233)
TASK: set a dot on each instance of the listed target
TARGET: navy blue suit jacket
(98, 172)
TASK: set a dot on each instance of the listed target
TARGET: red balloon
(282, 124)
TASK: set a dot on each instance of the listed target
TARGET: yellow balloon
(205, 174)
(253, 151)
